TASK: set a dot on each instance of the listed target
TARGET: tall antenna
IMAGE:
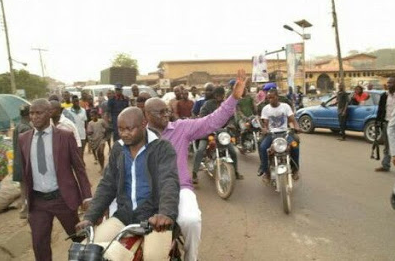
(41, 59)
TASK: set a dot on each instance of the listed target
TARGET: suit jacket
(74, 189)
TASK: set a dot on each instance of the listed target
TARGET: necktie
(41, 161)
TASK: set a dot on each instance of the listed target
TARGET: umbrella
(9, 110)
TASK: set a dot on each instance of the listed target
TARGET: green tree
(124, 60)
(33, 85)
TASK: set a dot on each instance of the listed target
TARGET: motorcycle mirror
(323, 104)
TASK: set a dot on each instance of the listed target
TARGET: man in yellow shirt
(66, 103)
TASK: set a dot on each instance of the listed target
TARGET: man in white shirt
(61, 122)
(276, 116)
(80, 118)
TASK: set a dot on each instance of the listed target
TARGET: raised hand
(240, 84)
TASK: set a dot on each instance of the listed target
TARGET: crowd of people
(147, 175)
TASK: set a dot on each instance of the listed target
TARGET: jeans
(265, 145)
(200, 152)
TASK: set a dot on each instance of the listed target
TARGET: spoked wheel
(306, 124)
(225, 179)
(285, 191)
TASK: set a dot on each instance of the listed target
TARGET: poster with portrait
(164, 83)
(259, 69)
(295, 62)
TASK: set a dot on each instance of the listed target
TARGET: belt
(47, 196)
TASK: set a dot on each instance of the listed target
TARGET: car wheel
(306, 124)
(369, 132)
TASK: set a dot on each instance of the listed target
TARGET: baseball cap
(269, 86)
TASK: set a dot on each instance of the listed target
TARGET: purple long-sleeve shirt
(181, 132)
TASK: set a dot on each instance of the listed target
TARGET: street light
(24, 64)
(303, 24)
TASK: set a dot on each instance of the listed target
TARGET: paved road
(341, 210)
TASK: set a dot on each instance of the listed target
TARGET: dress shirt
(80, 118)
(390, 106)
(181, 132)
(47, 182)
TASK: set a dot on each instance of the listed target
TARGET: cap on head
(118, 86)
(269, 86)
(232, 82)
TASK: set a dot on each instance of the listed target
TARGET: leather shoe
(295, 176)
(381, 169)
(239, 176)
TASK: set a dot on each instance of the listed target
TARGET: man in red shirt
(184, 106)
(360, 96)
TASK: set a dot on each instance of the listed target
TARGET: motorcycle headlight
(224, 138)
(280, 145)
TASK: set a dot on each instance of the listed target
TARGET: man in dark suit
(49, 157)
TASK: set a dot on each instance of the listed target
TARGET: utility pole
(339, 55)
(278, 79)
(41, 59)
(12, 75)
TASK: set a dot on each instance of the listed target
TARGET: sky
(83, 36)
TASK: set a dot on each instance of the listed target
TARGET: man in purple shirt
(180, 133)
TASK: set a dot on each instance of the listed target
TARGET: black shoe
(260, 172)
(239, 176)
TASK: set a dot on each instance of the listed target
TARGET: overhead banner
(259, 69)
(295, 63)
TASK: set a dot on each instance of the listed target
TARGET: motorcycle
(250, 134)
(127, 245)
(219, 164)
(280, 166)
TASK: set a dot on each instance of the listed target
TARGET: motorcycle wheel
(285, 193)
(225, 179)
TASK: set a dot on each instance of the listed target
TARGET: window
(332, 102)
(368, 102)
(364, 74)
(335, 75)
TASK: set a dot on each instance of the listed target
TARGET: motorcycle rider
(208, 108)
(142, 176)
(180, 133)
(276, 116)
(208, 94)
(245, 108)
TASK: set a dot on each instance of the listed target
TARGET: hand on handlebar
(82, 225)
(160, 222)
